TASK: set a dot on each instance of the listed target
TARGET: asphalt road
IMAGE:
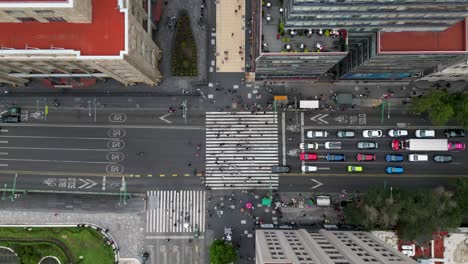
(68, 151)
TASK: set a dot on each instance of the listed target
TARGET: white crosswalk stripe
(241, 147)
(168, 211)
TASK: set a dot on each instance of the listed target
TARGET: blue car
(335, 157)
(394, 170)
(394, 157)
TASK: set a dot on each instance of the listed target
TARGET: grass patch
(184, 52)
(32, 252)
(85, 242)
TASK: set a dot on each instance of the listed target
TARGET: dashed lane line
(62, 173)
(103, 126)
(372, 175)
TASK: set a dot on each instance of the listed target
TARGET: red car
(308, 156)
(365, 157)
(456, 146)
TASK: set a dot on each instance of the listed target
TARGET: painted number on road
(114, 169)
(117, 117)
(115, 144)
(116, 132)
(68, 183)
(362, 119)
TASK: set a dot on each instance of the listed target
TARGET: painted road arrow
(163, 118)
(87, 184)
(319, 118)
(318, 184)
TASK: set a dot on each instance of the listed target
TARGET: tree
(442, 106)
(222, 253)
(415, 214)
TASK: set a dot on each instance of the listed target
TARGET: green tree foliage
(462, 194)
(222, 253)
(415, 214)
(442, 106)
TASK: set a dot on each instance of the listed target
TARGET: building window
(27, 19)
(44, 11)
(14, 11)
(55, 19)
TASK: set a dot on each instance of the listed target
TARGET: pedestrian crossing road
(175, 211)
(241, 147)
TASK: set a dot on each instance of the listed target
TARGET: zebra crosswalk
(175, 211)
(241, 147)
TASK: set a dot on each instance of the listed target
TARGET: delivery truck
(420, 144)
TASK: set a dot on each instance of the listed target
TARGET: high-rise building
(375, 15)
(78, 38)
(324, 247)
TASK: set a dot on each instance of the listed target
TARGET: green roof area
(67, 244)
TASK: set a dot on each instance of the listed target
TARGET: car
(394, 170)
(280, 169)
(317, 134)
(424, 133)
(365, 157)
(407, 247)
(10, 119)
(367, 145)
(345, 134)
(369, 133)
(394, 157)
(397, 133)
(308, 156)
(442, 158)
(456, 145)
(304, 146)
(398, 144)
(353, 168)
(333, 145)
(454, 133)
(336, 157)
(308, 168)
(418, 157)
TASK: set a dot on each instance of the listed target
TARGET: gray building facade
(324, 247)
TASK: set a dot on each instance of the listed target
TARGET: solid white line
(283, 139)
(46, 137)
(3, 141)
(4, 130)
(173, 237)
(3, 153)
(103, 126)
(71, 149)
(3, 165)
(64, 161)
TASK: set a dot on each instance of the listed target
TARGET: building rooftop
(104, 36)
(450, 40)
(302, 41)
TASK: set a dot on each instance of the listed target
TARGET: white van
(418, 157)
(323, 200)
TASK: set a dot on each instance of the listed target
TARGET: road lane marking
(3, 153)
(51, 137)
(377, 175)
(302, 135)
(103, 126)
(162, 175)
(4, 130)
(60, 173)
(3, 141)
(3, 165)
(149, 175)
(64, 161)
(187, 174)
(70, 149)
(174, 174)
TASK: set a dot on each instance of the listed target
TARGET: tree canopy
(414, 214)
(222, 252)
(442, 106)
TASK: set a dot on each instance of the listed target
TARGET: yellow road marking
(187, 174)
(137, 175)
(199, 174)
(174, 175)
(162, 175)
(150, 175)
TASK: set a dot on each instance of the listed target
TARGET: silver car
(367, 145)
(345, 134)
(333, 145)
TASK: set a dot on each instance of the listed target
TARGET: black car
(454, 133)
(280, 169)
(442, 158)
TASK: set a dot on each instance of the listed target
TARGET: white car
(372, 133)
(316, 134)
(305, 146)
(424, 133)
(307, 168)
(398, 133)
(418, 157)
(333, 145)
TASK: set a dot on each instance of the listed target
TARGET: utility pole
(12, 196)
(94, 110)
(184, 110)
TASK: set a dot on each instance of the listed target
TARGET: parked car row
(377, 133)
